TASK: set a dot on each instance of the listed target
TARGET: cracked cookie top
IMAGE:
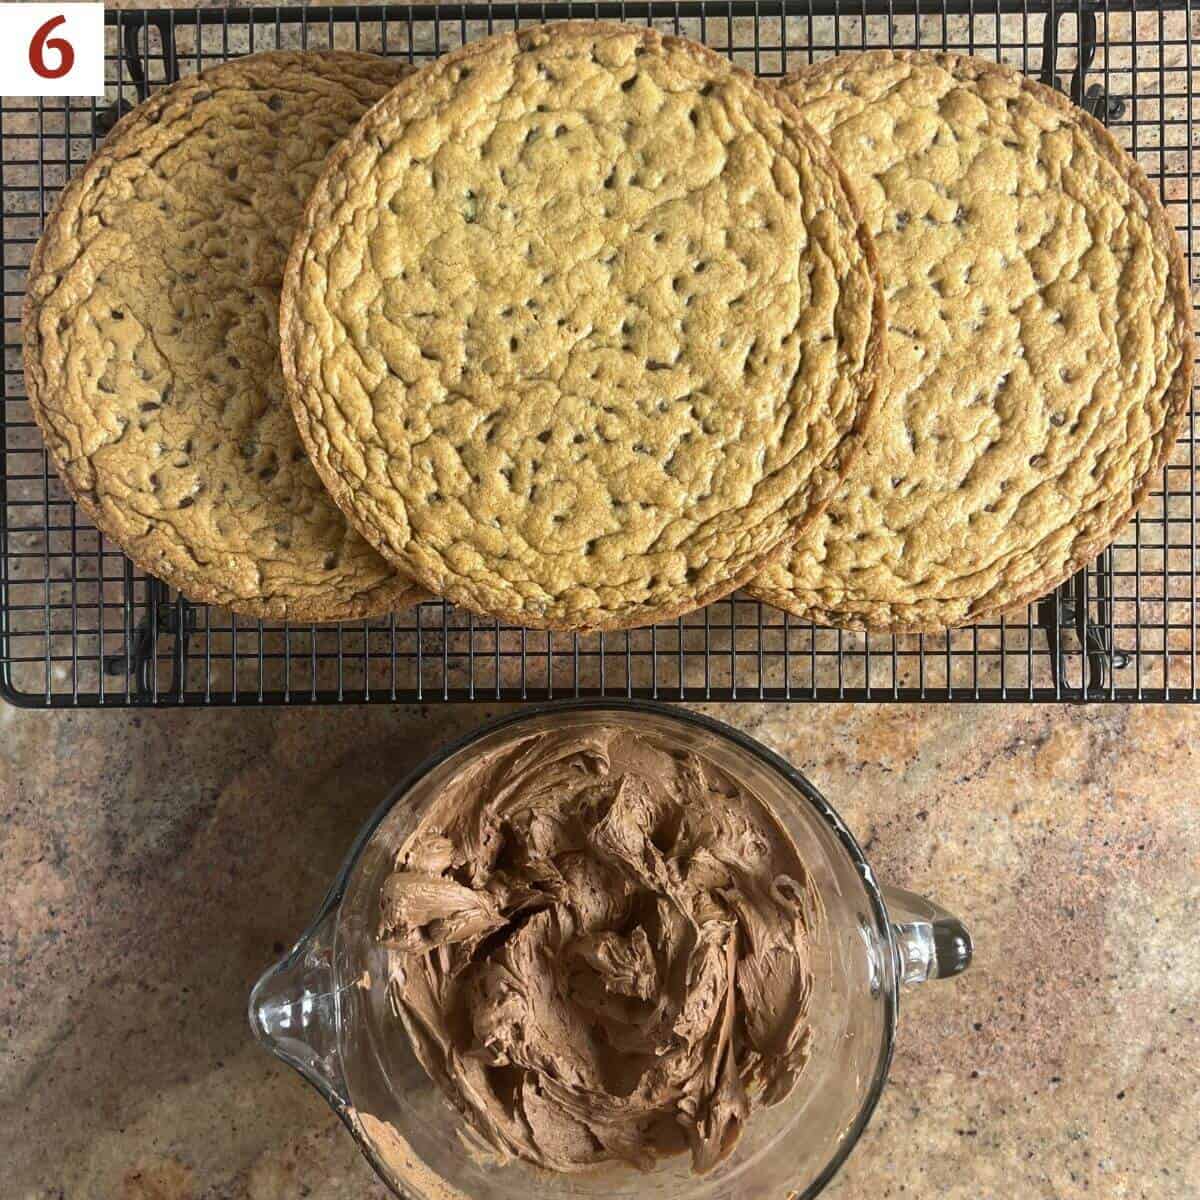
(152, 344)
(582, 326)
(1039, 349)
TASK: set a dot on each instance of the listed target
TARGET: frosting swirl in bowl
(600, 948)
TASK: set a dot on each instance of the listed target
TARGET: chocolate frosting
(600, 948)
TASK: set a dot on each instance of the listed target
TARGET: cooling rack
(81, 626)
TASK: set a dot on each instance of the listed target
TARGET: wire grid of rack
(80, 626)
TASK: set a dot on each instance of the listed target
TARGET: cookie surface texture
(582, 327)
(1039, 350)
(152, 343)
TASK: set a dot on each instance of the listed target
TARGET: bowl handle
(293, 1012)
(930, 942)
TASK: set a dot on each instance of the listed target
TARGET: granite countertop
(155, 863)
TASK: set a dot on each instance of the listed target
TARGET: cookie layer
(152, 346)
(1039, 351)
(582, 326)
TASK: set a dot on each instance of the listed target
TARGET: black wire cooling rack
(80, 626)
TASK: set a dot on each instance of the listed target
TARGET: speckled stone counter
(154, 864)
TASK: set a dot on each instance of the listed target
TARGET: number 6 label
(37, 50)
(52, 49)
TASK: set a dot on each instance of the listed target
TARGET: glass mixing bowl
(323, 1008)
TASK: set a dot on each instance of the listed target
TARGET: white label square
(52, 49)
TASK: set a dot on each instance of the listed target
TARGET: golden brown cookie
(582, 326)
(1039, 350)
(152, 346)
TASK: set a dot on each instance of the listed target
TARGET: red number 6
(42, 41)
